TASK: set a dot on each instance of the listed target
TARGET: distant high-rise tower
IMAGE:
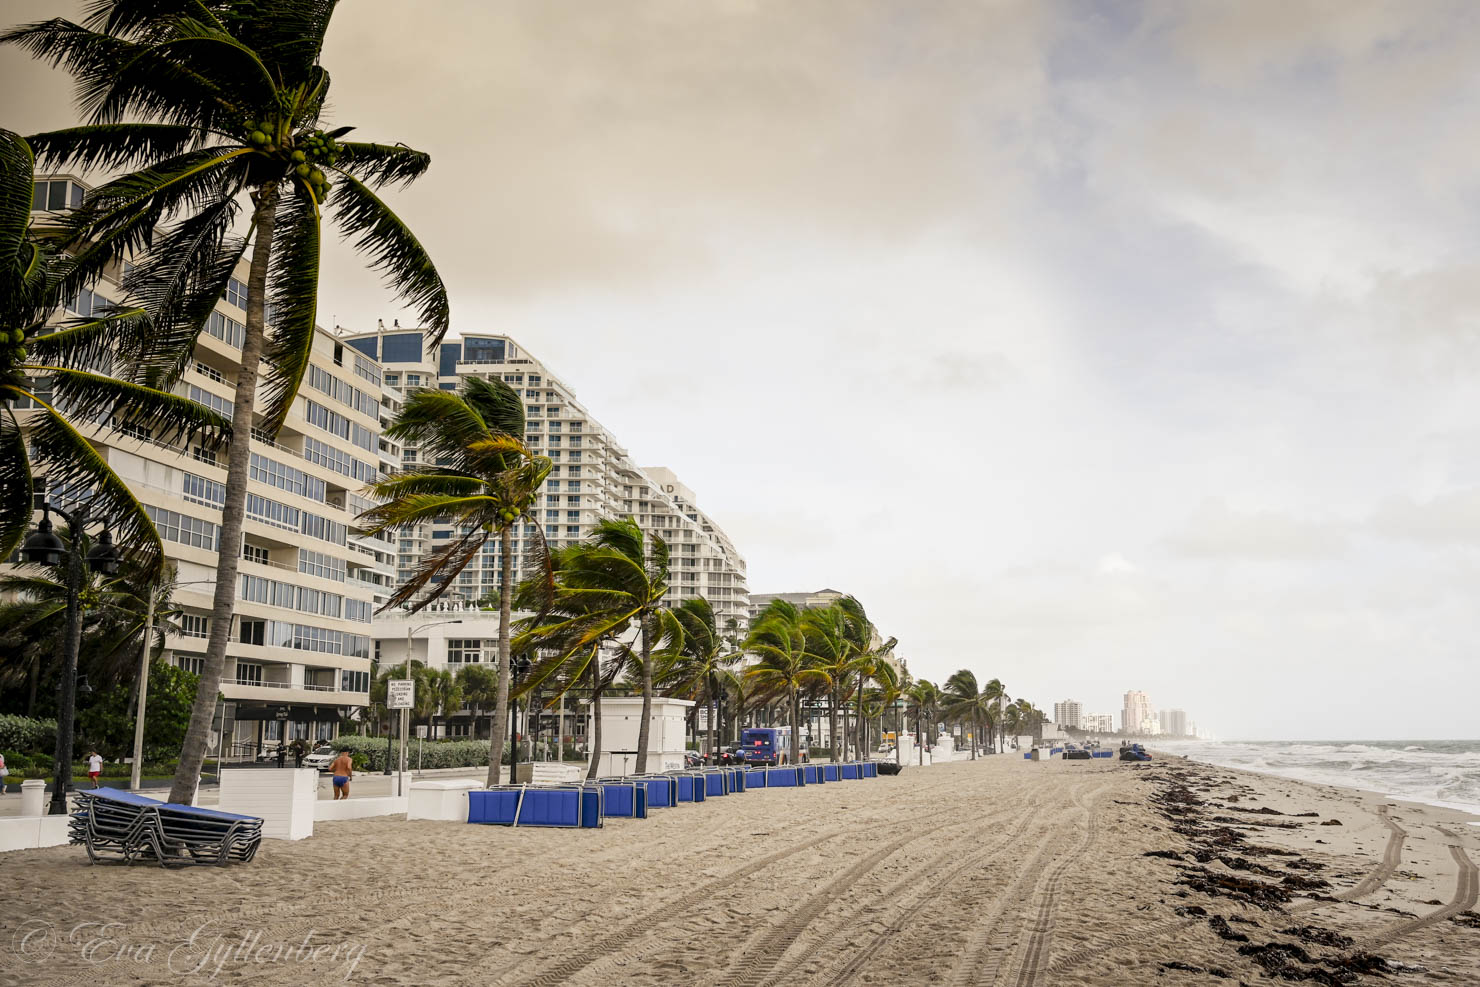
(1134, 712)
(1174, 722)
(1069, 713)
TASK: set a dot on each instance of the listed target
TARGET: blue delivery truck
(767, 745)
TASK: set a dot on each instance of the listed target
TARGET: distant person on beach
(343, 769)
(94, 766)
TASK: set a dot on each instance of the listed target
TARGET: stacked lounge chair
(121, 827)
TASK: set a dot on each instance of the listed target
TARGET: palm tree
(963, 702)
(35, 374)
(777, 636)
(830, 652)
(479, 686)
(603, 586)
(488, 482)
(868, 654)
(210, 102)
(893, 686)
(994, 694)
(924, 696)
(698, 665)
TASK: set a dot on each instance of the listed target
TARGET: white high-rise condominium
(592, 474)
(1069, 713)
(299, 651)
(1099, 722)
(1173, 722)
(1135, 712)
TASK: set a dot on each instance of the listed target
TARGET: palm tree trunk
(229, 545)
(501, 698)
(832, 723)
(644, 729)
(796, 737)
(714, 718)
(595, 745)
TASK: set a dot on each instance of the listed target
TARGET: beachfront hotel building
(592, 477)
(1069, 713)
(1135, 713)
(1173, 722)
(1099, 722)
(300, 648)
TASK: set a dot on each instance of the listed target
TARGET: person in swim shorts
(343, 769)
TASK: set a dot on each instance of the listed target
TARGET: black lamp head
(43, 547)
(104, 557)
(83, 688)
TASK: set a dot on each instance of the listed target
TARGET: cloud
(1451, 519)
(1214, 531)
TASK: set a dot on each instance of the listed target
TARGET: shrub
(434, 753)
(22, 733)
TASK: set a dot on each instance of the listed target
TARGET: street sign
(400, 693)
(421, 730)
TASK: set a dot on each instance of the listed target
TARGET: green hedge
(23, 734)
(434, 753)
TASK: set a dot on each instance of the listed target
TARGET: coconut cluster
(305, 152)
(12, 346)
(509, 512)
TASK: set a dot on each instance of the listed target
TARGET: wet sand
(998, 871)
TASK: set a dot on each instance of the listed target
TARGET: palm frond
(118, 404)
(17, 167)
(290, 37)
(121, 217)
(111, 146)
(102, 343)
(178, 281)
(378, 165)
(416, 508)
(440, 422)
(15, 481)
(393, 250)
(71, 462)
(294, 292)
(447, 564)
(430, 480)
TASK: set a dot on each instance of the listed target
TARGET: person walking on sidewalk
(94, 766)
(343, 769)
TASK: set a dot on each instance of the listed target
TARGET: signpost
(401, 694)
(421, 735)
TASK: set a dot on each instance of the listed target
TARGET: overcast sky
(1092, 346)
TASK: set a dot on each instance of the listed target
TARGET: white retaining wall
(353, 808)
(31, 832)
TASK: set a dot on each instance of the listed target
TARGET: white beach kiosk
(621, 717)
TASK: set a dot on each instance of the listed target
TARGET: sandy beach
(998, 871)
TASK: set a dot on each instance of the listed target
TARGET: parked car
(725, 756)
(321, 757)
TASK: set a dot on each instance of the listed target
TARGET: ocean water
(1438, 772)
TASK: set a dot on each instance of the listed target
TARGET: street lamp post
(43, 547)
(518, 668)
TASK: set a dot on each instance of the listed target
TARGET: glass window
(57, 197)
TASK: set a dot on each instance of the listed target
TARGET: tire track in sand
(918, 889)
(767, 945)
(644, 925)
(1466, 895)
(989, 937)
